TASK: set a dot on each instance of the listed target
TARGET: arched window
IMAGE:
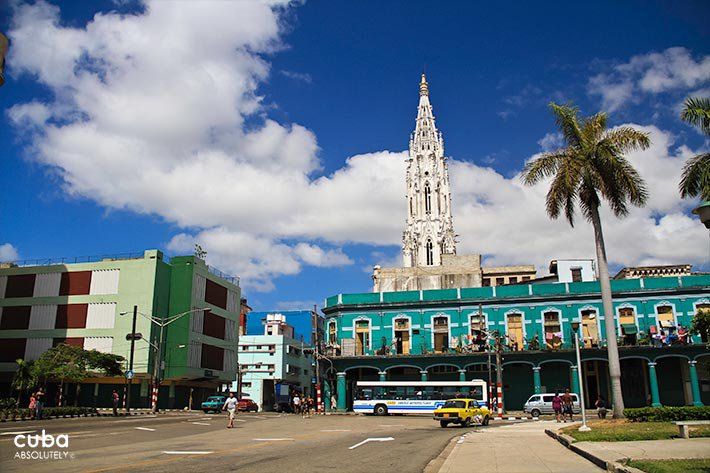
(429, 253)
(332, 333)
(438, 199)
(427, 198)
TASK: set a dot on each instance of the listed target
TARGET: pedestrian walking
(601, 407)
(557, 405)
(39, 403)
(114, 400)
(333, 403)
(230, 405)
(296, 404)
(567, 406)
(32, 405)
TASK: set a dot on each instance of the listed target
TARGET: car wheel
(443, 423)
(535, 412)
(380, 410)
(206, 411)
(486, 420)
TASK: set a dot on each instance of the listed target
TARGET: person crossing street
(230, 405)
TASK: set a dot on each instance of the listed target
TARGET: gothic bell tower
(429, 231)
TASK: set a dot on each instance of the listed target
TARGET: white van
(542, 404)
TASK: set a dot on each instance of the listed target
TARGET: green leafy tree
(24, 378)
(591, 168)
(695, 180)
(71, 364)
(701, 325)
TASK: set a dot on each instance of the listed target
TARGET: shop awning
(629, 329)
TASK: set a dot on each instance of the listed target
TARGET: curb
(617, 466)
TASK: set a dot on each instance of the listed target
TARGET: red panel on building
(216, 294)
(15, 318)
(76, 283)
(71, 341)
(12, 349)
(71, 316)
(214, 325)
(212, 357)
(20, 285)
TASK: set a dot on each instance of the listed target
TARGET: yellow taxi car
(462, 411)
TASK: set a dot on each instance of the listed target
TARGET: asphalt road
(261, 442)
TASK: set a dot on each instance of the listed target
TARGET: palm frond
(542, 167)
(695, 179)
(696, 111)
(567, 120)
(593, 127)
(625, 139)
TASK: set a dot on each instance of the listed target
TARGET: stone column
(462, 375)
(575, 380)
(694, 385)
(424, 375)
(536, 379)
(653, 381)
(341, 392)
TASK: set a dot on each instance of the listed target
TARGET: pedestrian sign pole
(319, 399)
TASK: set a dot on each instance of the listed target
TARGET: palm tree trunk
(610, 326)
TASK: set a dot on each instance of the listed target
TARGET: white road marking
(273, 440)
(336, 430)
(19, 432)
(135, 420)
(145, 428)
(200, 423)
(377, 439)
(172, 452)
(240, 420)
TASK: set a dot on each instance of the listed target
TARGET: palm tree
(695, 180)
(592, 167)
(24, 378)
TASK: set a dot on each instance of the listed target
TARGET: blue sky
(274, 136)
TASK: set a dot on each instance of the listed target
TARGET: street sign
(129, 374)
(134, 336)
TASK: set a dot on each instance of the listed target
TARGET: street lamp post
(584, 427)
(162, 323)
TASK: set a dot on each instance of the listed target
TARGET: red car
(247, 405)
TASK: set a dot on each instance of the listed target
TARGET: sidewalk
(517, 448)
(648, 449)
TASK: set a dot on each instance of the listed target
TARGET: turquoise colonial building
(440, 335)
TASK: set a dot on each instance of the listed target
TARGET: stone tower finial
(423, 86)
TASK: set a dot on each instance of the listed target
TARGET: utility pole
(157, 375)
(130, 363)
(499, 373)
(316, 355)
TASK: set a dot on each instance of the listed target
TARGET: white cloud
(160, 114)
(652, 73)
(301, 76)
(8, 253)
(296, 305)
(551, 141)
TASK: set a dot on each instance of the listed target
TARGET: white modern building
(274, 358)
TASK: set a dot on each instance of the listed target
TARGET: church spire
(429, 232)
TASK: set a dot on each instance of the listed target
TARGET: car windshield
(454, 405)
(214, 398)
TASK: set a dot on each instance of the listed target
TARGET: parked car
(247, 405)
(462, 411)
(213, 403)
(542, 404)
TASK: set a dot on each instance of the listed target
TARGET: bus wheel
(443, 423)
(380, 410)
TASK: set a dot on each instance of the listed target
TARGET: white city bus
(413, 397)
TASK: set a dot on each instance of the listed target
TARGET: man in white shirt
(296, 404)
(230, 405)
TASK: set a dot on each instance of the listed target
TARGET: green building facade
(440, 335)
(90, 304)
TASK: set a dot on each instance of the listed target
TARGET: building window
(332, 332)
(515, 331)
(526, 278)
(513, 279)
(664, 315)
(590, 331)
(427, 198)
(627, 323)
(401, 335)
(576, 274)
(553, 331)
(362, 336)
(429, 253)
(486, 282)
(500, 281)
(441, 334)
